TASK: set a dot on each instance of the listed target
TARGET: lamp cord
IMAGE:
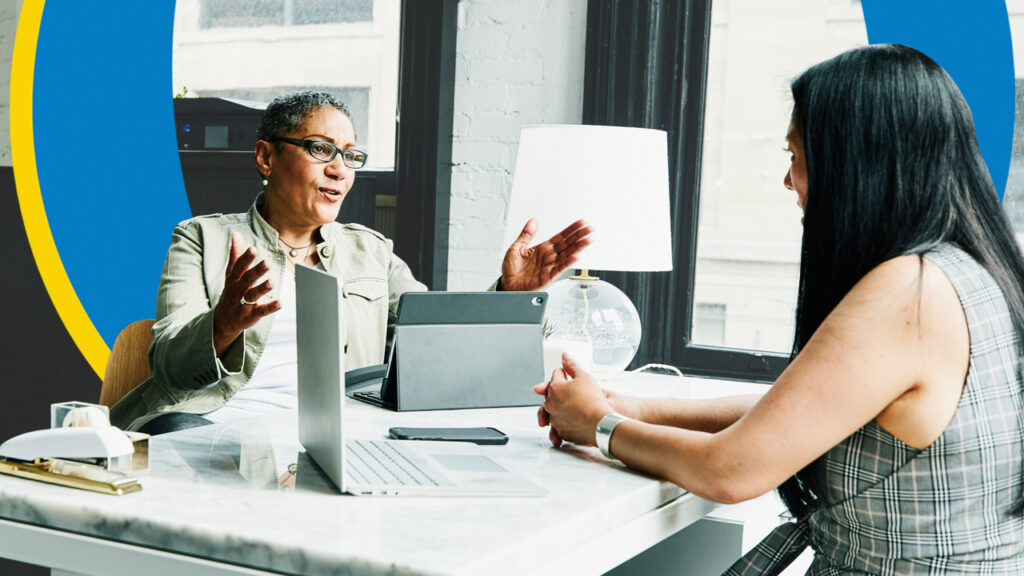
(665, 392)
(672, 369)
(652, 366)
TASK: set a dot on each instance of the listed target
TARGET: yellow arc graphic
(30, 198)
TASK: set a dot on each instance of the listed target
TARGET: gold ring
(245, 302)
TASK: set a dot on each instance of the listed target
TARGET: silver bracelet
(604, 431)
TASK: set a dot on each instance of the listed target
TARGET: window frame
(287, 18)
(647, 66)
(421, 179)
(418, 186)
(423, 155)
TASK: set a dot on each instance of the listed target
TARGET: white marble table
(198, 514)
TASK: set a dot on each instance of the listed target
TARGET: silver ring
(245, 302)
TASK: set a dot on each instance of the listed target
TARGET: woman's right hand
(238, 308)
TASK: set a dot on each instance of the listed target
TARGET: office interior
(714, 75)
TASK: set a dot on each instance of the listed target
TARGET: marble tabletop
(225, 493)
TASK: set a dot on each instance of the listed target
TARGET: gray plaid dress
(952, 508)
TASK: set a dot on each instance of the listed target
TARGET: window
(386, 59)
(256, 51)
(749, 233)
(715, 76)
(252, 13)
(709, 323)
(1013, 200)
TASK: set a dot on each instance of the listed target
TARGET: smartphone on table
(478, 435)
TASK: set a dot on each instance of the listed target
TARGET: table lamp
(616, 179)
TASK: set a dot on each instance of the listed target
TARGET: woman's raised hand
(531, 268)
(238, 307)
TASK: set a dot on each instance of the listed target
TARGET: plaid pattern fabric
(774, 553)
(953, 508)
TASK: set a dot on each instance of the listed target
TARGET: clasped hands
(574, 404)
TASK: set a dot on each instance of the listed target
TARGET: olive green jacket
(187, 374)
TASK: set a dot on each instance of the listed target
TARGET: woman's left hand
(528, 267)
(573, 405)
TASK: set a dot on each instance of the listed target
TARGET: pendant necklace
(294, 250)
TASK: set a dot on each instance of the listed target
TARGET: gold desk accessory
(72, 474)
(87, 457)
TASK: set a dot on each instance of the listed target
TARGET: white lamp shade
(615, 178)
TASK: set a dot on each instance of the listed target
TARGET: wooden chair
(128, 365)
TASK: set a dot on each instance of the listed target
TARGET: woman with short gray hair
(224, 340)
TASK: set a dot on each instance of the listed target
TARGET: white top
(274, 382)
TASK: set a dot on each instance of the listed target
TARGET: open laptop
(459, 350)
(373, 466)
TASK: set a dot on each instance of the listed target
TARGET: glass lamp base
(594, 322)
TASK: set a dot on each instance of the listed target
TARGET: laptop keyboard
(388, 463)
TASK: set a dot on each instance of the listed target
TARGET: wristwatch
(604, 431)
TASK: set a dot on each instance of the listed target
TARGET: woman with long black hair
(896, 434)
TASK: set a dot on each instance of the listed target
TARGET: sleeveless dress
(956, 507)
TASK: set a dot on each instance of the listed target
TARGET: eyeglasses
(325, 151)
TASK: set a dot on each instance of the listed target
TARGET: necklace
(295, 249)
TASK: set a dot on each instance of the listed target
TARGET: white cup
(582, 352)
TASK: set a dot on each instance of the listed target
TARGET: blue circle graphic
(971, 40)
(106, 151)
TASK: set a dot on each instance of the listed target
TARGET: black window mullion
(426, 96)
(733, 363)
(646, 66)
(360, 206)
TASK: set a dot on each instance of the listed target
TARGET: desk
(198, 514)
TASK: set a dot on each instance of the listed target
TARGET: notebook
(460, 350)
(374, 466)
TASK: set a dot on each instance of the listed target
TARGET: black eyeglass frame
(308, 145)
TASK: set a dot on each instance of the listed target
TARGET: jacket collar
(327, 250)
(263, 230)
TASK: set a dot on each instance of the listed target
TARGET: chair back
(128, 365)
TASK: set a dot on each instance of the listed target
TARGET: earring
(265, 182)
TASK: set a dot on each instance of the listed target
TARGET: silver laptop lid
(320, 342)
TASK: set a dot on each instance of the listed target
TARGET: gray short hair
(286, 113)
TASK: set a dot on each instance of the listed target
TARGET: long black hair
(893, 168)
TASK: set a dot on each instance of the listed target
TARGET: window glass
(748, 245)
(255, 50)
(1013, 199)
(235, 13)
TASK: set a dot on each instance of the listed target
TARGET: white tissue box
(74, 413)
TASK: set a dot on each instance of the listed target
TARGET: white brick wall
(8, 25)
(518, 63)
